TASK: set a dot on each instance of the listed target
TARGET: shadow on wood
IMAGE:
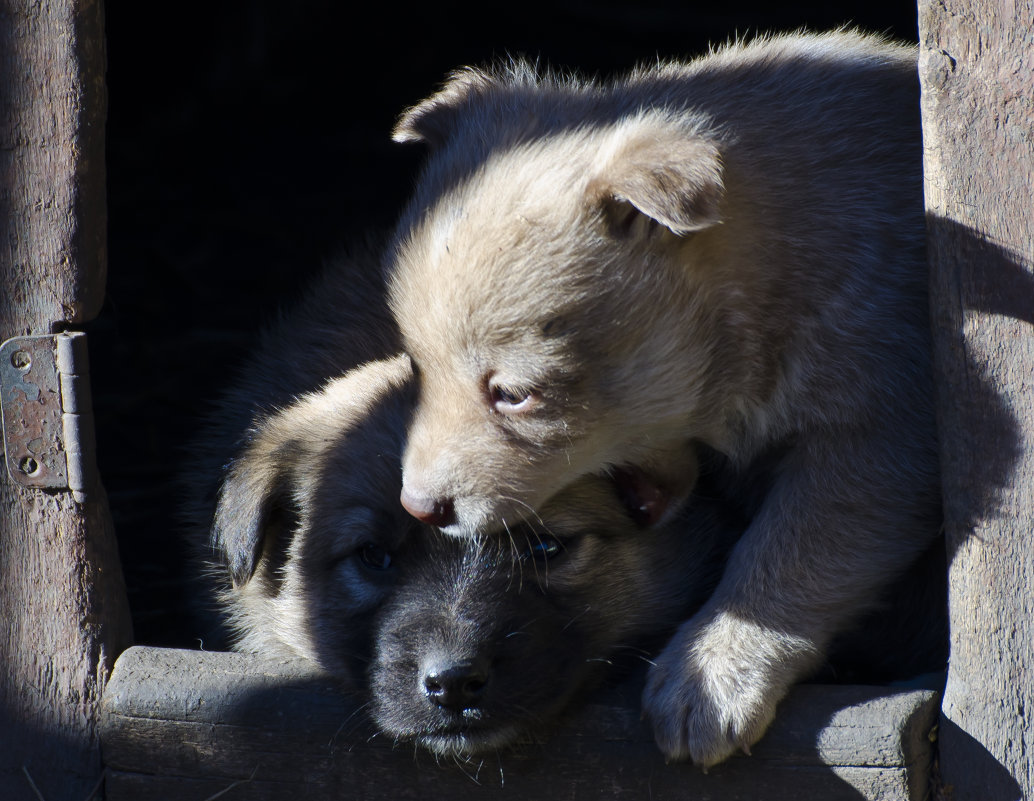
(995, 779)
(980, 434)
(983, 307)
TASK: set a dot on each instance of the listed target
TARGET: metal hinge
(47, 413)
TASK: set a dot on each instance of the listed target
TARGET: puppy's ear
(432, 120)
(261, 499)
(253, 501)
(660, 168)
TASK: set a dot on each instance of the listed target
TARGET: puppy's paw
(715, 687)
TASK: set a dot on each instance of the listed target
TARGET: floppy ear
(261, 499)
(432, 120)
(662, 169)
(252, 501)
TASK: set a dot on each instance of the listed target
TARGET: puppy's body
(729, 251)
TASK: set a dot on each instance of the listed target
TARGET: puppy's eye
(511, 400)
(374, 557)
(544, 549)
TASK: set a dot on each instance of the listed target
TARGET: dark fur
(339, 322)
(484, 641)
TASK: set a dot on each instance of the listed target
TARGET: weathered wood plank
(63, 614)
(977, 71)
(188, 724)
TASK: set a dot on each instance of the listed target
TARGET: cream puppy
(726, 251)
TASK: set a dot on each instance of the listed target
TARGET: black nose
(433, 511)
(455, 686)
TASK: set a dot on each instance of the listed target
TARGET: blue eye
(544, 549)
(374, 557)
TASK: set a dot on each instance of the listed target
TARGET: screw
(21, 359)
(29, 466)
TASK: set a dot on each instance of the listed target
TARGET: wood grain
(977, 70)
(64, 615)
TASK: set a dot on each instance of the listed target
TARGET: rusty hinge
(47, 414)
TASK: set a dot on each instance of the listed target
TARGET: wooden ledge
(197, 725)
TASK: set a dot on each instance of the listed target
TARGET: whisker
(346, 721)
(466, 773)
(529, 511)
(631, 648)
(514, 556)
(573, 619)
(521, 629)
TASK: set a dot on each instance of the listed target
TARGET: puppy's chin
(473, 742)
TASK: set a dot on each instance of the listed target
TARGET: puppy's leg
(828, 535)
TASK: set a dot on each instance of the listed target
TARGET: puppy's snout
(455, 686)
(432, 511)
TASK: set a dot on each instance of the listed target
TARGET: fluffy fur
(314, 487)
(727, 251)
(465, 645)
(314, 556)
(446, 635)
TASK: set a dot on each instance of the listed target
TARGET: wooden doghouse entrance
(184, 724)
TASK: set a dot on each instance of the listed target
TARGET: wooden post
(63, 611)
(977, 71)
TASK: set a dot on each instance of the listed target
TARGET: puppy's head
(306, 513)
(483, 642)
(463, 644)
(540, 284)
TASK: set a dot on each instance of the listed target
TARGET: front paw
(715, 687)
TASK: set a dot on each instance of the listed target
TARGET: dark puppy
(464, 645)
(482, 641)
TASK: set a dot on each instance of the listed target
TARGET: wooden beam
(63, 612)
(977, 72)
(189, 725)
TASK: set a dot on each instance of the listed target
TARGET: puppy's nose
(455, 687)
(433, 511)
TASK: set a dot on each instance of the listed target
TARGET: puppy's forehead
(521, 197)
(352, 474)
(357, 498)
(495, 272)
(374, 522)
